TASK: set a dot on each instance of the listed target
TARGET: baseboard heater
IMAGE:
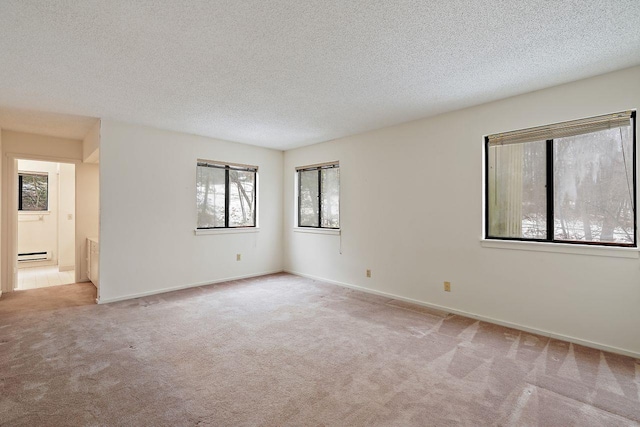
(34, 256)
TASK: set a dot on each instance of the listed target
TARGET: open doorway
(46, 250)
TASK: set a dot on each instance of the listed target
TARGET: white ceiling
(287, 73)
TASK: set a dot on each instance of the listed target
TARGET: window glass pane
(34, 192)
(309, 215)
(593, 187)
(330, 197)
(210, 196)
(517, 190)
(242, 197)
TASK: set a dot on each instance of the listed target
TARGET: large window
(319, 196)
(33, 191)
(225, 195)
(573, 182)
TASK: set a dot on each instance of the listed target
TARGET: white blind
(562, 130)
(319, 166)
(225, 165)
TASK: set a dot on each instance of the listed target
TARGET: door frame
(11, 180)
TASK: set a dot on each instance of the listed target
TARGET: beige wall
(66, 216)
(412, 212)
(38, 147)
(87, 213)
(27, 144)
(91, 145)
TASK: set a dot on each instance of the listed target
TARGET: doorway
(45, 235)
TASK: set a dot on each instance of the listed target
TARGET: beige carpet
(284, 350)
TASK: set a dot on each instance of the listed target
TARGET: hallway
(42, 277)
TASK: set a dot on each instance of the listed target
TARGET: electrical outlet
(238, 257)
(368, 273)
(447, 286)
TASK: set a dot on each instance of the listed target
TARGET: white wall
(66, 216)
(148, 213)
(38, 231)
(40, 147)
(411, 211)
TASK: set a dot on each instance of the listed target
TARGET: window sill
(205, 231)
(329, 231)
(565, 248)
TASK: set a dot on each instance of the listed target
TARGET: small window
(573, 182)
(33, 191)
(319, 196)
(225, 195)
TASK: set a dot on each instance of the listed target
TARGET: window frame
(318, 168)
(227, 167)
(21, 174)
(550, 199)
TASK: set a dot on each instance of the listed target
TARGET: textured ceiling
(289, 73)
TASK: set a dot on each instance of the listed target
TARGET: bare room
(319, 213)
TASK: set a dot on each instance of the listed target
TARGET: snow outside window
(569, 185)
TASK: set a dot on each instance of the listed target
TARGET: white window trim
(314, 230)
(557, 246)
(233, 230)
(563, 248)
(45, 212)
(243, 230)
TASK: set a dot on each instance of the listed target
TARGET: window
(319, 196)
(225, 195)
(33, 191)
(573, 182)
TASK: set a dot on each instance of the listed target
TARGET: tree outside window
(33, 192)
(576, 184)
(225, 195)
(319, 196)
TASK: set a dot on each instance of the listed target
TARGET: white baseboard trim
(66, 267)
(507, 324)
(43, 263)
(179, 287)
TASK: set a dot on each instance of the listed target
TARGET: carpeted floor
(285, 350)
